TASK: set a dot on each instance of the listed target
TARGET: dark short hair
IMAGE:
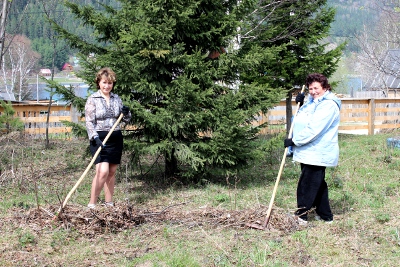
(108, 73)
(318, 77)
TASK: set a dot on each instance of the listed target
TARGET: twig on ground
(47, 211)
(163, 210)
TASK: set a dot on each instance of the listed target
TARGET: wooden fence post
(371, 116)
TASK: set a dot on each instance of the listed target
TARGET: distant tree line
(28, 18)
(351, 18)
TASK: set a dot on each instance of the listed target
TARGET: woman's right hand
(300, 99)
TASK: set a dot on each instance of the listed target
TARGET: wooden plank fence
(34, 116)
(358, 116)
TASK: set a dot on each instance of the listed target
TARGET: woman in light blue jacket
(315, 146)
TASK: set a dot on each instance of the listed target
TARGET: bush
(7, 121)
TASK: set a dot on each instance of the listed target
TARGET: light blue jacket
(315, 131)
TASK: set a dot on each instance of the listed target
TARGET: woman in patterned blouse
(102, 110)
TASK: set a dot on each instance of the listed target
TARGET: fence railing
(34, 117)
(358, 116)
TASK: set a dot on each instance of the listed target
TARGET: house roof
(389, 77)
(67, 66)
(6, 97)
(45, 71)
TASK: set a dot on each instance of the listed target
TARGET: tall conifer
(194, 90)
(179, 73)
(294, 35)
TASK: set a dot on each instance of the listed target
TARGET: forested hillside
(351, 18)
(28, 17)
(359, 23)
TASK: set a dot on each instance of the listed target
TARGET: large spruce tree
(178, 69)
(295, 33)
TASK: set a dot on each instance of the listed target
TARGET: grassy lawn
(199, 224)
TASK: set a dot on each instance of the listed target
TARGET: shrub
(7, 121)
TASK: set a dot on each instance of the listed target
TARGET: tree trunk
(171, 164)
(47, 145)
(289, 112)
(3, 17)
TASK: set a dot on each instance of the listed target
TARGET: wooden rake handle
(90, 164)
(271, 202)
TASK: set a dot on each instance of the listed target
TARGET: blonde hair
(107, 73)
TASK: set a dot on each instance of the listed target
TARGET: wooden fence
(358, 116)
(34, 116)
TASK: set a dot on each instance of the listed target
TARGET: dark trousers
(312, 191)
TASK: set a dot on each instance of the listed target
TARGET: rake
(88, 167)
(262, 227)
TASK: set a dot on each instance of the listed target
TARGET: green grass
(364, 194)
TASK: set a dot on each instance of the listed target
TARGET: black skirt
(112, 150)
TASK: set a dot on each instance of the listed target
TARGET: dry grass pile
(92, 222)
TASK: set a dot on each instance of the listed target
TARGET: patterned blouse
(101, 117)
